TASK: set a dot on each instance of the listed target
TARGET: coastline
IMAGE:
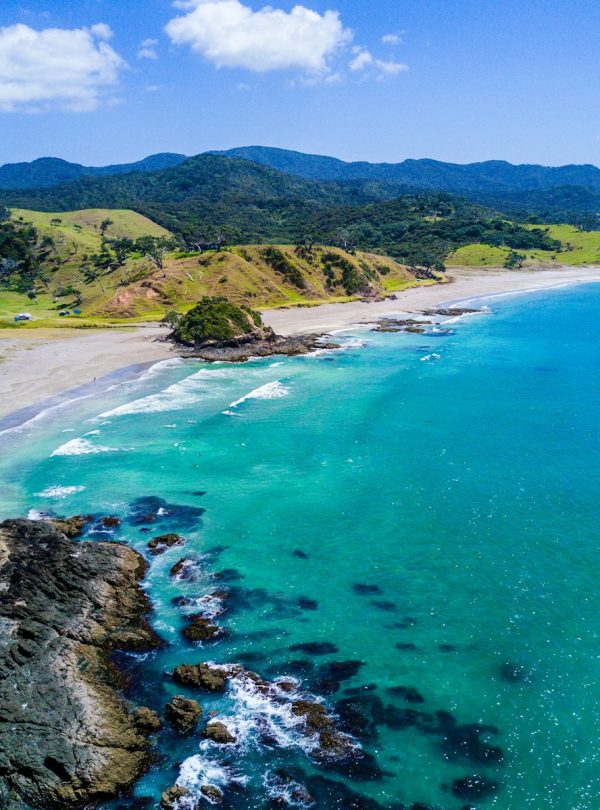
(40, 368)
(467, 286)
(44, 368)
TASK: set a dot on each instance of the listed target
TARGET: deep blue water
(456, 477)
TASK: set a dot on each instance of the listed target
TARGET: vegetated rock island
(67, 736)
(217, 329)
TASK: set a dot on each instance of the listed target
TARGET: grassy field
(139, 291)
(578, 248)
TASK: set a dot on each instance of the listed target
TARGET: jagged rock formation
(67, 737)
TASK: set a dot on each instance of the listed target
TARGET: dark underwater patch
(363, 589)
(315, 648)
(153, 510)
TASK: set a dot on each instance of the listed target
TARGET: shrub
(216, 319)
(276, 259)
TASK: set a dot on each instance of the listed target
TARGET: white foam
(201, 771)
(286, 792)
(180, 395)
(59, 492)
(272, 390)
(36, 515)
(430, 357)
(82, 447)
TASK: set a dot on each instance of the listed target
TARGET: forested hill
(46, 172)
(218, 198)
(489, 176)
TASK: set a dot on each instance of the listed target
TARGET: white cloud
(391, 39)
(56, 68)
(362, 60)
(230, 34)
(148, 49)
(365, 62)
(390, 68)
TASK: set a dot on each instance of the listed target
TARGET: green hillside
(577, 248)
(102, 263)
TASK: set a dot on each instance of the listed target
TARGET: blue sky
(100, 81)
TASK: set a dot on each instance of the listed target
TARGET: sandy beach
(38, 365)
(467, 284)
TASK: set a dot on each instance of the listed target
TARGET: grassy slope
(240, 274)
(579, 248)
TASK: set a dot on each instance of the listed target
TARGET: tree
(514, 260)
(105, 225)
(154, 248)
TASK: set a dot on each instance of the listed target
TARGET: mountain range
(48, 171)
(494, 176)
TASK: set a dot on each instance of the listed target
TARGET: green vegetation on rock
(216, 320)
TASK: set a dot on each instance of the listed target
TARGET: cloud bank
(56, 68)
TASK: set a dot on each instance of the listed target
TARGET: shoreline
(38, 367)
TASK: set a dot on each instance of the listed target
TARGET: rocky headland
(68, 738)
(217, 329)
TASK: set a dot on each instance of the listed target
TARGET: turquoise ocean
(422, 510)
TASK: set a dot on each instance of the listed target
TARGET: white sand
(467, 284)
(39, 364)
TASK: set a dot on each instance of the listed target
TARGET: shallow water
(426, 504)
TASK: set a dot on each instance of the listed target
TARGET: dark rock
(73, 526)
(160, 544)
(183, 713)
(474, 788)
(146, 720)
(315, 648)
(201, 676)
(212, 793)
(302, 555)
(218, 733)
(452, 312)
(67, 738)
(242, 350)
(334, 745)
(110, 521)
(171, 797)
(201, 629)
(408, 693)
(365, 590)
(179, 566)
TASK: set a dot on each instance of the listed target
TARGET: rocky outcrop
(260, 346)
(183, 713)
(201, 676)
(158, 545)
(146, 720)
(171, 797)
(67, 738)
(201, 628)
(218, 733)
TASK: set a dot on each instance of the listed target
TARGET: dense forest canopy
(236, 201)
